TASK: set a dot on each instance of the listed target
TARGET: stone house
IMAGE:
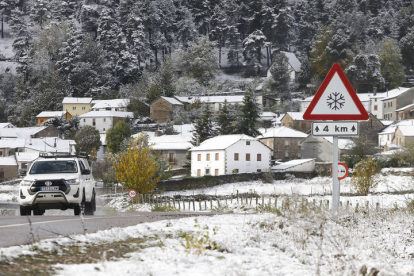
(321, 148)
(295, 120)
(163, 109)
(405, 112)
(370, 129)
(395, 102)
(9, 169)
(173, 147)
(386, 136)
(284, 141)
(404, 135)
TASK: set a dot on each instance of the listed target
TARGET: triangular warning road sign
(336, 99)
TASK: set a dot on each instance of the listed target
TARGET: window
(236, 157)
(247, 143)
(391, 104)
(259, 170)
(385, 105)
(283, 124)
(198, 157)
(1, 153)
(207, 171)
(375, 100)
(104, 129)
(375, 107)
(104, 119)
(93, 122)
(247, 156)
(287, 143)
(259, 157)
(208, 157)
(299, 154)
(217, 156)
(286, 154)
(171, 157)
(83, 107)
(235, 171)
(73, 107)
(220, 106)
(198, 172)
(84, 120)
(216, 172)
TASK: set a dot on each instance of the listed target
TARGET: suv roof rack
(59, 154)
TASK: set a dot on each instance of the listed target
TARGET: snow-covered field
(250, 241)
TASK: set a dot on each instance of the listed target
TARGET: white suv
(58, 182)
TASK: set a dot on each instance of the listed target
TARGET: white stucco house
(227, 154)
(103, 120)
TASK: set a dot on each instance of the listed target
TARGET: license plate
(49, 188)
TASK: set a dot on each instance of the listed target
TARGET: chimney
(198, 141)
(375, 90)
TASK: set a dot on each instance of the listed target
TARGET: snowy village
(205, 137)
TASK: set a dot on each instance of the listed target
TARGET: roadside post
(335, 111)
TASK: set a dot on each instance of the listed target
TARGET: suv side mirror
(86, 172)
(22, 173)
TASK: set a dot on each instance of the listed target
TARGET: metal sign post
(336, 189)
(336, 102)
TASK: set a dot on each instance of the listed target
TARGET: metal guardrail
(11, 182)
(9, 205)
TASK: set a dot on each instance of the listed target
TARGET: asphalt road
(18, 230)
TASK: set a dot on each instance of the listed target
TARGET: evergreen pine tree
(249, 114)
(280, 76)
(203, 126)
(305, 74)
(225, 121)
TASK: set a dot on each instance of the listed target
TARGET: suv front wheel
(25, 210)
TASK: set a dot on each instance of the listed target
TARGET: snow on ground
(247, 241)
(294, 243)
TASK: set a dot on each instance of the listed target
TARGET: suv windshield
(54, 166)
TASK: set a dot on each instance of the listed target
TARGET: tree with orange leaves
(138, 168)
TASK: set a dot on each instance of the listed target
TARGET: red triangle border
(336, 68)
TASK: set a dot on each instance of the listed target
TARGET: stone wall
(9, 172)
(210, 181)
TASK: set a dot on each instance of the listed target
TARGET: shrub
(267, 177)
(364, 178)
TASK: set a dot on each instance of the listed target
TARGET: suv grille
(41, 183)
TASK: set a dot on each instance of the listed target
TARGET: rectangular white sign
(335, 129)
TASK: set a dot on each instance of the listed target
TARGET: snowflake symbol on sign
(335, 101)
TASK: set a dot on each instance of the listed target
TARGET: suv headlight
(72, 181)
(26, 182)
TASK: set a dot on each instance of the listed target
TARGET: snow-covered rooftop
(8, 161)
(297, 116)
(391, 128)
(47, 114)
(290, 164)
(172, 101)
(69, 100)
(406, 107)
(394, 93)
(283, 132)
(6, 125)
(102, 104)
(212, 99)
(293, 60)
(171, 142)
(407, 130)
(268, 114)
(107, 113)
(24, 132)
(222, 142)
